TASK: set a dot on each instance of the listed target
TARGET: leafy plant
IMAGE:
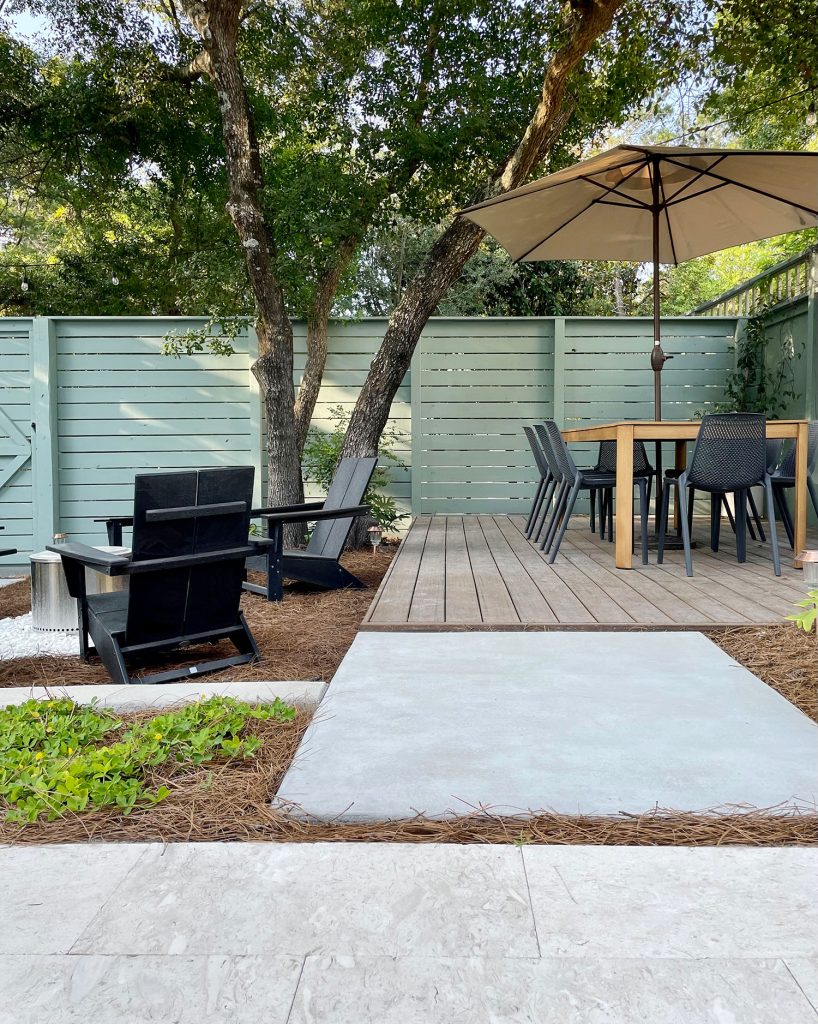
(322, 452)
(57, 757)
(759, 384)
(216, 336)
(806, 619)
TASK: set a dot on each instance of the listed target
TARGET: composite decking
(481, 572)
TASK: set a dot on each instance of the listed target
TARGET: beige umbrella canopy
(663, 204)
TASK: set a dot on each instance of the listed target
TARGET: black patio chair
(606, 463)
(574, 480)
(783, 479)
(318, 564)
(545, 487)
(185, 574)
(7, 551)
(729, 457)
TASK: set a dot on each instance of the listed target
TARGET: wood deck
(481, 572)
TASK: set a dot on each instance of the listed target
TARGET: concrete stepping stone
(572, 722)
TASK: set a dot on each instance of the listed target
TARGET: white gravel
(18, 640)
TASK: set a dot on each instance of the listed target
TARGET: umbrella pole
(657, 356)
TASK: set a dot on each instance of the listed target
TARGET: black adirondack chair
(190, 542)
(7, 551)
(318, 564)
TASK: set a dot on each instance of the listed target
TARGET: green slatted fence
(107, 404)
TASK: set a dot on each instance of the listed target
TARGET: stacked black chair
(545, 487)
(190, 543)
(571, 481)
(783, 478)
(729, 457)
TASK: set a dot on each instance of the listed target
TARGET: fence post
(559, 370)
(810, 354)
(416, 426)
(256, 430)
(44, 432)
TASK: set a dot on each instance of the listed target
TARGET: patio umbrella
(663, 204)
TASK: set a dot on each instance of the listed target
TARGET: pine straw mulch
(230, 802)
(305, 636)
(786, 658)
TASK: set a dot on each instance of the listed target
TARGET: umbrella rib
(585, 209)
(751, 188)
(692, 181)
(630, 200)
(544, 188)
(667, 219)
(705, 191)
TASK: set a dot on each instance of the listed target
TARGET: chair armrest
(261, 542)
(311, 516)
(101, 561)
(187, 561)
(122, 520)
(256, 512)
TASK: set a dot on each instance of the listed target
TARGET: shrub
(322, 453)
(58, 757)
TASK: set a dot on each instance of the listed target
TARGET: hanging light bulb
(24, 283)
(114, 279)
(812, 117)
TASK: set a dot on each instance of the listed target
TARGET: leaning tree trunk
(448, 256)
(217, 23)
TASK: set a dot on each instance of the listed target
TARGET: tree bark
(588, 20)
(317, 336)
(217, 23)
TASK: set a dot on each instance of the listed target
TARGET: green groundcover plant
(58, 757)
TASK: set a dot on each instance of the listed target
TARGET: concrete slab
(592, 723)
(165, 695)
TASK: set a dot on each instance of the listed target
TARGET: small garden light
(809, 560)
(375, 535)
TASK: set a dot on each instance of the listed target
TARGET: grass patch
(58, 758)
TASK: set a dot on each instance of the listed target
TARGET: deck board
(482, 572)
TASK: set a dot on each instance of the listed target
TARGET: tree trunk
(217, 23)
(317, 337)
(588, 20)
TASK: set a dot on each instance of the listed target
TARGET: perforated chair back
(568, 467)
(786, 468)
(185, 601)
(730, 453)
(548, 451)
(536, 451)
(606, 459)
(347, 490)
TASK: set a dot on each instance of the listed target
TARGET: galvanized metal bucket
(53, 610)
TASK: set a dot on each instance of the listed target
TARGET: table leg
(800, 524)
(624, 496)
(680, 464)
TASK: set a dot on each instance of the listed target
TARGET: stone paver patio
(573, 722)
(343, 933)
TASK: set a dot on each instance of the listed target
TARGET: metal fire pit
(53, 610)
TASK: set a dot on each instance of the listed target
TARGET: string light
(24, 283)
(114, 280)
(812, 117)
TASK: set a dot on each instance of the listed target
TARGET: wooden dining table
(625, 432)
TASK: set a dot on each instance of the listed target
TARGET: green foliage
(806, 619)
(761, 382)
(323, 450)
(216, 336)
(57, 757)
